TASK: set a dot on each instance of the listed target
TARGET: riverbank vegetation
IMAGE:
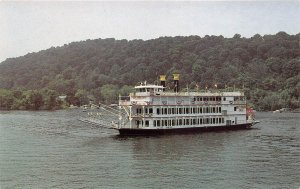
(265, 67)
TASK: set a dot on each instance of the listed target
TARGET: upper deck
(157, 90)
(155, 95)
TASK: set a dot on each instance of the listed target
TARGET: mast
(176, 82)
(162, 79)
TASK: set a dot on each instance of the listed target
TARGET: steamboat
(152, 110)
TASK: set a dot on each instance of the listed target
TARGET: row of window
(212, 98)
(239, 98)
(147, 110)
(188, 110)
(181, 122)
(187, 121)
(216, 98)
(181, 110)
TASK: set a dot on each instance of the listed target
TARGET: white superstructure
(150, 107)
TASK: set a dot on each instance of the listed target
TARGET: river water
(55, 150)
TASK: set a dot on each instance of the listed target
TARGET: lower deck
(184, 122)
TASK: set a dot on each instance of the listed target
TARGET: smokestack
(162, 79)
(176, 82)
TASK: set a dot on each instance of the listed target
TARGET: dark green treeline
(265, 67)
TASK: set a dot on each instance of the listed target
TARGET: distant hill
(267, 67)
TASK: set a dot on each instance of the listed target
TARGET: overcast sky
(33, 26)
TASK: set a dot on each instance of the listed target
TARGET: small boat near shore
(285, 110)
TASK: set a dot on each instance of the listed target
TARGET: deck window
(187, 121)
(165, 111)
(139, 110)
(194, 121)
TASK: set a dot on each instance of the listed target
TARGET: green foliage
(29, 100)
(109, 93)
(35, 100)
(82, 97)
(6, 99)
(99, 70)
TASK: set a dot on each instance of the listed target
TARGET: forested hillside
(266, 67)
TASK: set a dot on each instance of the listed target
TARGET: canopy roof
(149, 86)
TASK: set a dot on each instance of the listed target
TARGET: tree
(6, 99)
(35, 100)
(109, 93)
(82, 96)
(237, 36)
(50, 98)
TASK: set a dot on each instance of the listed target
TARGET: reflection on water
(55, 150)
